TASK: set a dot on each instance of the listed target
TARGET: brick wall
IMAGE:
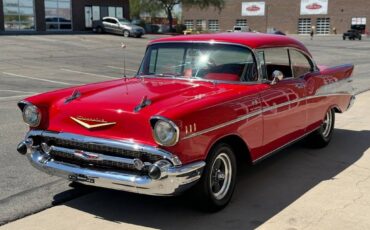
(282, 14)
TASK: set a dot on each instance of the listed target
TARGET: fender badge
(91, 123)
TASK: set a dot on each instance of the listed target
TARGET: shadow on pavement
(262, 190)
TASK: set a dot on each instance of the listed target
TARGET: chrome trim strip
(223, 125)
(126, 145)
(263, 110)
(177, 180)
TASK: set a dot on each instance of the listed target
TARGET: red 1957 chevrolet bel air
(197, 105)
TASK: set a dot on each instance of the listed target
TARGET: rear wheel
(322, 136)
(214, 190)
(344, 38)
(99, 30)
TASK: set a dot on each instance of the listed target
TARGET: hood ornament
(76, 94)
(91, 123)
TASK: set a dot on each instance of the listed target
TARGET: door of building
(304, 26)
(323, 26)
(88, 16)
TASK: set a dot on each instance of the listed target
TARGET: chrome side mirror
(277, 76)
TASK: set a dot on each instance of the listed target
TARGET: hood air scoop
(144, 103)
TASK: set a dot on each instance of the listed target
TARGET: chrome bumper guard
(351, 102)
(174, 180)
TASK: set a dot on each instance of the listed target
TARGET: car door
(107, 23)
(304, 68)
(283, 102)
(116, 26)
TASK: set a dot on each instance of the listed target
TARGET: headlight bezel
(36, 111)
(154, 121)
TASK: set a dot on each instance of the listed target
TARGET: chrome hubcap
(221, 176)
(327, 125)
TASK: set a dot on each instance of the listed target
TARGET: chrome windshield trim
(127, 145)
(253, 51)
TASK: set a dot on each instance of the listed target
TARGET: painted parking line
(35, 78)
(91, 74)
(14, 97)
(16, 91)
(115, 67)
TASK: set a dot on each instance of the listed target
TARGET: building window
(241, 22)
(201, 24)
(213, 25)
(304, 26)
(19, 15)
(58, 14)
(189, 24)
(359, 24)
(111, 11)
(323, 26)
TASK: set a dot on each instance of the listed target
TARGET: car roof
(109, 18)
(252, 40)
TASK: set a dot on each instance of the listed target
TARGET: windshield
(202, 60)
(124, 21)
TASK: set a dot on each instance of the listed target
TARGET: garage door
(323, 26)
(304, 26)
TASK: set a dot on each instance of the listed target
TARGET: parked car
(198, 105)
(241, 29)
(352, 35)
(118, 26)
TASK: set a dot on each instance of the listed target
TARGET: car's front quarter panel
(236, 112)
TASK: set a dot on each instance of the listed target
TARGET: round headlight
(166, 133)
(31, 115)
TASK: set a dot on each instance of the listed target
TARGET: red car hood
(115, 102)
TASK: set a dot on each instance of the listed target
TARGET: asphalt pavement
(31, 64)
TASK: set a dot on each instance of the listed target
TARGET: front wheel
(322, 136)
(215, 188)
(126, 33)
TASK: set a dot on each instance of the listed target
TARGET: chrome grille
(65, 157)
(103, 149)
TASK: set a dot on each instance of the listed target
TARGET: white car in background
(118, 26)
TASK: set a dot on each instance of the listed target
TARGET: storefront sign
(253, 8)
(309, 7)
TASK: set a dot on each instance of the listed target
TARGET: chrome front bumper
(174, 176)
(178, 179)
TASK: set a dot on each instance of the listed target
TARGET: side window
(276, 59)
(109, 20)
(301, 65)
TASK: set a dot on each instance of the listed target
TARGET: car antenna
(123, 46)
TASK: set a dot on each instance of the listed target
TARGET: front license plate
(81, 178)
